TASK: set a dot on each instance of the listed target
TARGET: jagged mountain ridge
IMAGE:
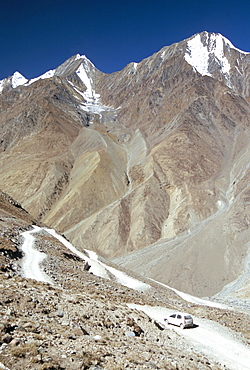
(151, 159)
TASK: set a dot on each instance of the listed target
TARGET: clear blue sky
(38, 35)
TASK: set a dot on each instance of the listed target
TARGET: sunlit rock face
(148, 165)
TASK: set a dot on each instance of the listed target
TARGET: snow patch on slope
(92, 102)
(83, 73)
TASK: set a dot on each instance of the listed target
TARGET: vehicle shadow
(186, 328)
(194, 326)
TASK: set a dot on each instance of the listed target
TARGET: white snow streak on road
(209, 337)
(33, 258)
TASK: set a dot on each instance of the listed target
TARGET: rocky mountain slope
(82, 321)
(148, 166)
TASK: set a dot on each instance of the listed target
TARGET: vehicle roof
(180, 313)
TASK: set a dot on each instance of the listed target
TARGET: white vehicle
(184, 320)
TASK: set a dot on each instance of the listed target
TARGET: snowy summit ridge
(79, 64)
(207, 53)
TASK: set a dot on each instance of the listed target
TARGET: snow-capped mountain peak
(208, 52)
(78, 56)
(201, 48)
(18, 79)
(13, 81)
(83, 58)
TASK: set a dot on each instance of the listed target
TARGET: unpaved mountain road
(209, 337)
(212, 339)
(33, 258)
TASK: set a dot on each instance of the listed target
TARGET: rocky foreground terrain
(82, 321)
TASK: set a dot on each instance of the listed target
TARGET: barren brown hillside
(148, 165)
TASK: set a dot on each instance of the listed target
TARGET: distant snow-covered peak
(207, 49)
(201, 48)
(78, 56)
(68, 67)
(86, 61)
(13, 81)
(18, 80)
